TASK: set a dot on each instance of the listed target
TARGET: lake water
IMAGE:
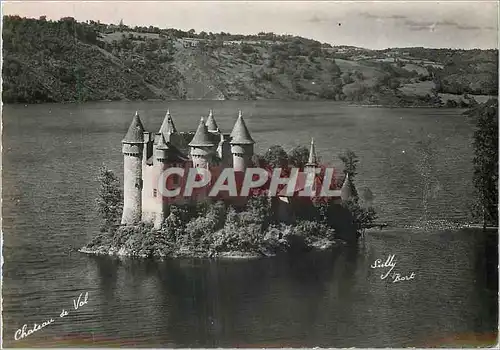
(418, 164)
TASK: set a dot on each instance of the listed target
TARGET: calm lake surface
(417, 163)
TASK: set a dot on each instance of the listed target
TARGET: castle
(147, 155)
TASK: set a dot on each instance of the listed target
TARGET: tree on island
(298, 157)
(109, 200)
(485, 178)
(276, 157)
(363, 216)
(350, 161)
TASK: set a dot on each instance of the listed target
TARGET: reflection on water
(331, 299)
(315, 299)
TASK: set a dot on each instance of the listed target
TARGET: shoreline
(347, 103)
(186, 253)
(430, 226)
(123, 253)
(104, 250)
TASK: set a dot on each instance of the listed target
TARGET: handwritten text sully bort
(391, 264)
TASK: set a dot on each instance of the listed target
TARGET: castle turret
(169, 131)
(167, 127)
(202, 146)
(241, 145)
(311, 166)
(211, 124)
(161, 150)
(224, 149)
(133, 145)
(346, 190)
(312, 162)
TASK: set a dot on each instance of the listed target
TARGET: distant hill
(59, 61)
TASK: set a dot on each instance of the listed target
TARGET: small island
(316, 212)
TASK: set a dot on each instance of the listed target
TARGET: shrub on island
(215, 229)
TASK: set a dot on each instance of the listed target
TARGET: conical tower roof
(313, 159)
(162, 144)
(211, 124)
(201, 137)
(346, 190)
(135, 133)
(167, 127)
(240, 134)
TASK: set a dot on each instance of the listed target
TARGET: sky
(369, 24)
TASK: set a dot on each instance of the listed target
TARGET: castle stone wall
(148, 207)
(132, 188)
(242, 155)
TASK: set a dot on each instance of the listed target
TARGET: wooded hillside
(59, 61)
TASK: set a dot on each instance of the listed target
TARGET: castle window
(155, 193)
(138, 184)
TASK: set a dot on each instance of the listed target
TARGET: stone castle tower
(202, 147)
(132, 149)
(147, 155)
(241, 145)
